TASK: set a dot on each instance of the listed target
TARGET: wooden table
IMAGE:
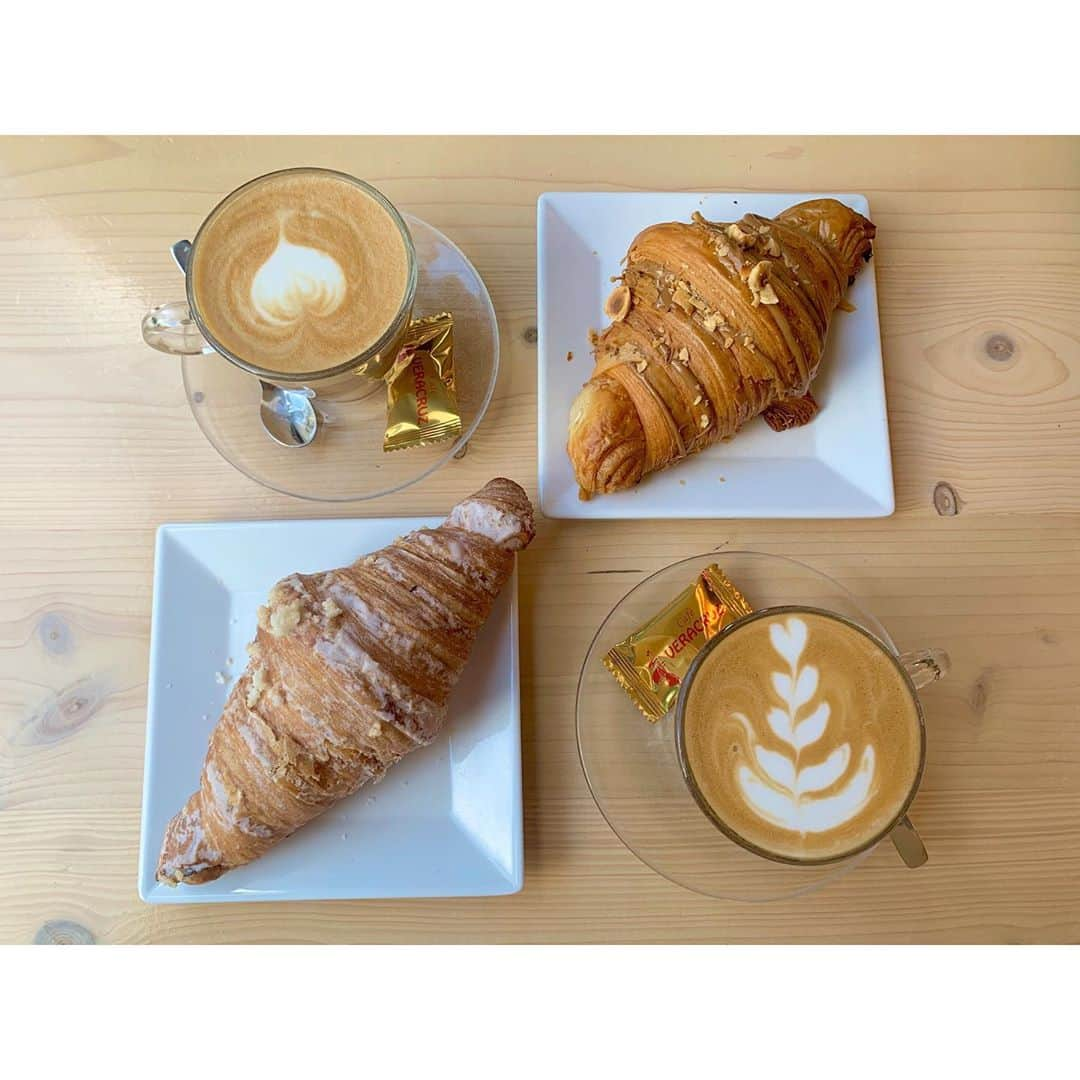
(978, 264)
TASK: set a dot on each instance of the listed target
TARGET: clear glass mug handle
(924, 666)
(170, 328)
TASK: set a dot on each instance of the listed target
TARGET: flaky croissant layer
(349, 671)
(713, 324)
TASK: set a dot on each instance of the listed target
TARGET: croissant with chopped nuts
(350, 670)
(712, 324)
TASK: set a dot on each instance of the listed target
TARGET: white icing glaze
(193, 853)
(451, 551)
(385, 631)
(477, 516)
(255, 745)
(228, 813)
(344, 654)
(387, 566)
(321, 727)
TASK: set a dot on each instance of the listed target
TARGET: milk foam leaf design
(796, 691)
(789, 640)
(812, 728)
(774, 784)
(818, 777)
(780, 722)
(777, 767)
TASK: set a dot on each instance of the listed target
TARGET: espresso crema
(299, 272)
(802, 735)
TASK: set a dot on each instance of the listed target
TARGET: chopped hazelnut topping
(762, 292)
(682, 297)
(641, 365)
(617, 305)
(684, 354)
(331, 609)
(773, 247)
(739, 236)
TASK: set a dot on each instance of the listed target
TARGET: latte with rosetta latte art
(300, 271)
(801, 735)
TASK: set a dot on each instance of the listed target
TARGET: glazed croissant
(713, 323)
(350, 670)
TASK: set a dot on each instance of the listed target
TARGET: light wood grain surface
(978, 265)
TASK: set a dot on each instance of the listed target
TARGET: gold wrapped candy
(651, 663)
(421, 403)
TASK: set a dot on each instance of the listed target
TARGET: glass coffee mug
(916, 669)
(179, 328)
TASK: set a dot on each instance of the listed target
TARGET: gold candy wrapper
(650, 664)
(421, 405)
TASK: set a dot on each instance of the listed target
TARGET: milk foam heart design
(297, 281)
(778, 786)
(302, 271)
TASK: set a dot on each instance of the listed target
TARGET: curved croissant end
(606, 443)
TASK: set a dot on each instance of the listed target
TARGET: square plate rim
(884, 502)
(514, 880)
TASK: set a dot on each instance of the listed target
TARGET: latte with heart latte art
(801, 735)
(300, 271)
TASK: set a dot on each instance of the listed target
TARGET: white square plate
(446, 821)
(836, 466)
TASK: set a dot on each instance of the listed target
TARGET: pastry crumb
(258, 685)
(284, 618)
(569, 355)
(219, 678)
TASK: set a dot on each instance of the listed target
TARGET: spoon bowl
(288, 416)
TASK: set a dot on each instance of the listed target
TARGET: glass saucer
(632, 767)
(346, 461)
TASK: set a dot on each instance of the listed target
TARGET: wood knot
(62, 714)
(530, 335)
(980, 693)
(63, 932)
(55, 634)
(1000, 348)
(946, 501)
